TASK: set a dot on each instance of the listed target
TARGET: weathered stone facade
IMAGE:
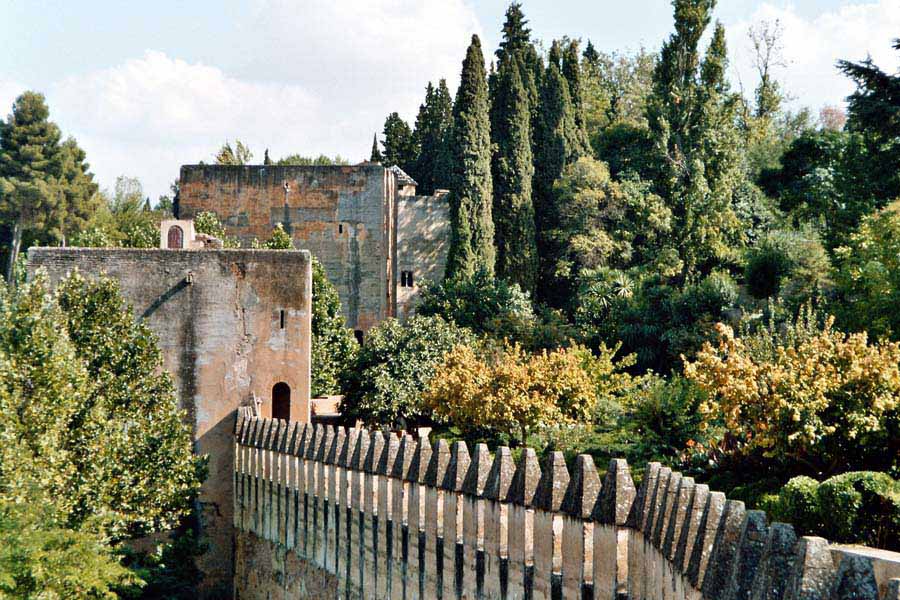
(232, 325)
(364, 223)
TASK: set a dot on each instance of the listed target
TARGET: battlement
(334, 512)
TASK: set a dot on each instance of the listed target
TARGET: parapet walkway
(324, 512)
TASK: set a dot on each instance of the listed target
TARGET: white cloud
(812, 46)
(311, 77)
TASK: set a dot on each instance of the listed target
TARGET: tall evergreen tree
(874, 112)
(691, 113)
(376, 151)
(45, 186)
(571, 70)
(432, 122)
(517, 41)
(591, 56)
(472, 235)
(512, 173)
(557, 144)
(399, 146)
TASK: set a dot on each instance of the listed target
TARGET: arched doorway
(281, 401)
(175, 238)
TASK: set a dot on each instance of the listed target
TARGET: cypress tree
(512, 173)
(557, 144)
(375, 156)
(472, 235)
(571, 70)
(443, 166)
(591, 56)
(399, 146)
(517, 41)
(432, 123)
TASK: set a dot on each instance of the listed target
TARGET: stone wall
(385, 517)
(423, 239)
(218, 318)
(341, 214)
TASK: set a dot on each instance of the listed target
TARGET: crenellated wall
(323, 513)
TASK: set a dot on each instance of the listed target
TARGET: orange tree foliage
(826, 400)
(507, 389)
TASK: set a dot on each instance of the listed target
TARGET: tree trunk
(14, 246)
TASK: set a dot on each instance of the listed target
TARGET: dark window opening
(340, 228)
(175, 237)
(282, 319)
(281, 401)
(359, 335)
(406, 279)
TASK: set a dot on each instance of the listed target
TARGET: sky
(148, 86)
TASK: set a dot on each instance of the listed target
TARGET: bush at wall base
(857, 507)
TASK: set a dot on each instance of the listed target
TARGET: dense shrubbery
(394, 366)
(507, 389)
(825, 399)
(855, 507)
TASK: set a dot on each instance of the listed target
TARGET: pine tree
(432, 122)
(376, 151)
(266, 159)
(557, 144)
(472, 227)
(513, 170)
(691, 113)
(34, 169)
(399, 146)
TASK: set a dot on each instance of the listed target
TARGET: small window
(340, 228)
(282, 319)
(406, 278)
(359, 335)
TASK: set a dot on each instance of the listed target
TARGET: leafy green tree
(399, 144)
(513, 169)
(472, 227)
(432, 123)
(279, 240)
(41, 558)
(333, 345)
(692, 120)
(102, 435)
(867, 277)
(45, 186)
(237, 155)
(393, 369)
(825, 178)
(208, 222)
(482, 304)
(607, 224)
(135, 452)
(310, 161)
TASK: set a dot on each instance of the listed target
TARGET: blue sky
(147, 86)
